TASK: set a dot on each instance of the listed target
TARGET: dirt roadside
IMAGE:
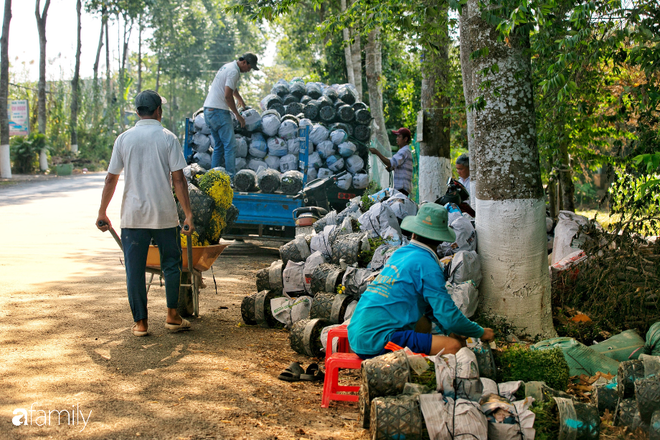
(66, 345)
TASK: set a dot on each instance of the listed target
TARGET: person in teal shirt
(411, 287)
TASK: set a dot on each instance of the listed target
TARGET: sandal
(292, 373)
(136, 332)
(185, 325)
(313, 374)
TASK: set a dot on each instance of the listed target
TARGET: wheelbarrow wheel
(186, 306)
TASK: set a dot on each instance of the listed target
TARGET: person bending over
(411, 286)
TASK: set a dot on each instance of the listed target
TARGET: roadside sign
(19, 117)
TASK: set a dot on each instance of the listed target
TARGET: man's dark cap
(403, 132)
(251, 60)
(148, 100)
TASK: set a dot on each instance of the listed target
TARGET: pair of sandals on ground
(173, 328)
(295, 373)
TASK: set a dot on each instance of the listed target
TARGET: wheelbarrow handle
(114, 234)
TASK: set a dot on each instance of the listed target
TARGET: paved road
(48, 231)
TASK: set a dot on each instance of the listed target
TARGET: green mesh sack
(653, 340)
(625, 346)
(580, 358)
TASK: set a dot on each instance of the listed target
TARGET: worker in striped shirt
(401, 163)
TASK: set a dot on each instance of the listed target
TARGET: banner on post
(18, 112)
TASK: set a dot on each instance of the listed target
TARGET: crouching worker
(395, 305)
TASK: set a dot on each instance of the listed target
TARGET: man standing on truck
(152, 160)
(401, 163)
(221, 99)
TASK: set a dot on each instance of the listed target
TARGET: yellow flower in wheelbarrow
(216, 184)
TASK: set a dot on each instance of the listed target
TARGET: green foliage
(365, 201)
(546, 422)
(365, 257)
(518, 362)
(25, 152)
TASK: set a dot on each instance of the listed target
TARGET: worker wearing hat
(152, 161)
(401, 163)
(411, 286)
(220, 101)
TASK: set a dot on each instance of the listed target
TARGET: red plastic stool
(333, 362)
(331, 387)
(342, 344)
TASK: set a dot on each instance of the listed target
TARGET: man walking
(152, 159)
(221, 99)
(401, 163)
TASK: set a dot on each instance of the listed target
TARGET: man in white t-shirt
(152, 160)
(221, 99)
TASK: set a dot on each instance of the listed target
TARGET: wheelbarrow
(202, 258)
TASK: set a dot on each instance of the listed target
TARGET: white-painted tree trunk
(74, 148)
(5, 162)
(504, 162)
(43, 160)
(433, 174)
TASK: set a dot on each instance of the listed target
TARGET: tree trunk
(466, 48)
(5, 164)
(95, 92)
(566, 180)
(158, 73)
(356, 54)
(75, 87)
(379, 138)
(139, 66)
(122, 72)
(41, 88)
(108, 85)
(510, 204)
(434, 157)
(346, 34)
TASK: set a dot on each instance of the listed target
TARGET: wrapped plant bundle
(326, 277)
(314, 90)
(327, 113)
(262, 311)
(281, 88)
(270, 278)
(288, 99)
(292, 182)
(247, 309)
(347, 247)
(245, 180)
(397, 417)
(345, 113)
(629, 372)
(363, 116)
(269, 100)
(362, 132)
(294, 108)
(311, 110)
(296, 250)
(268, 180)
(305, 337)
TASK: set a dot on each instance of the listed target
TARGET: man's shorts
(417, 342)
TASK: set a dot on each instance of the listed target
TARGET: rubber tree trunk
(566, 180)
(108, 84)
(95, 92)
(434, 151)
(374, 69)
(346, 36)
(75, 86)
(41, 88)
(5, 157)
(139, 66)
(510, 205)
(466, 48)
(356, 54)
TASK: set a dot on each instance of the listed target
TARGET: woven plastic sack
(252, 119)
(330, 92)
(356, 280)
(292, 182)
(268, 101)
(401, 205)
(201, 142)
(305, 122)
(465, 266)
(312, 173)
(338, 136)
(580, 358)
(324, 172)
(622, 347)
(314, 260)
(314, 160)
(653, 339)
(297, 89)
(288, 311)
(381, 255)
(258, 147)
(347, 247)
(240, 163)
(277, 147)
(288, 99)
(203, 159)
(360, 179)
(318, 134)
(241, 146)
(268, 180)
(256, 164)
(272, 162)
(288, 163)
(321, 242)
(335, 163)
(280, 88)
(313, 89)
(344, 182)
(200, 125)
(245, 181)
(326, 149)
(347, 93)
(378, 219)
(466, 237)
(288, 130)
(465, 296)
(566, 229)
(293, 146)
(270, 123)
(347, 149)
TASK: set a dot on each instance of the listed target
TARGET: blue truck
(271, 215)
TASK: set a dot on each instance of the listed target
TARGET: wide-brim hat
(432, 222)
